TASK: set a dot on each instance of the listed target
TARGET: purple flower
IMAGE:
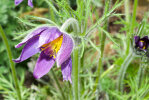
(141, 43)
(17, 2)
(54, 46)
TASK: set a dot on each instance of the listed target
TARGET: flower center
(52, 48)
(142, 44)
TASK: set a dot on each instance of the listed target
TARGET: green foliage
(119, 67)
(8, 90)
(7, 13)
(135, 92)
(6, 7)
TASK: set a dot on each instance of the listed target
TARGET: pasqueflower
(141, 43)
(17, 2)
(53, 45)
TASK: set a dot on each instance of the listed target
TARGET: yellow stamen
(53, 46)
(141, 41)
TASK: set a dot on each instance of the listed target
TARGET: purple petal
(49, 35)
(141, 44)
(66, 68)
(137, 38)
(30, 3)
(145, 37)
(17, 2)
(65, 50)
(31, 35)
(43, 65)
(29, 50)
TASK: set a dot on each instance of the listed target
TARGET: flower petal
(17, 2)
(31, 35)
(141, 44)
(137, 38)
(145, 37)
(30, 3)
(49, 35)
(29, 50)
(43, 65)
(66, 68)
(65, 50)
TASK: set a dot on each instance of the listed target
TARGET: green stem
(127, 20)
(123, 69)
(58, 84)
(100, 61)
(140, 74)
(132, 25)
(11, 62)
(75, 74)
(103, 38)
(88, 2)
(134, 16)
(127, 10)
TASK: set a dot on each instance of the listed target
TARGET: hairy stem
(11, 62)
(75, 74)
(132, 25)
(134, 16)
(127, 10)
(140, 74)
(123, 69)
